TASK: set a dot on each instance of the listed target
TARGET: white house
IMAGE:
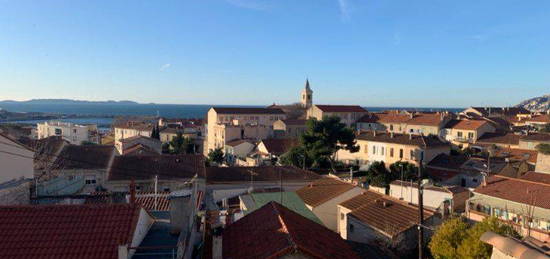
(434, 197)
(323, 196)
(74, 133)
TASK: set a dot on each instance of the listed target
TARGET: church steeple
(306, 96)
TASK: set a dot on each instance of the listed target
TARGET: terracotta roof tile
(521, 190)
(274, 231)
(517, 154)
(499, 138)
(147, 201)
(536, 137)
(427, 119)
(145, 167)
(66, 231)
(466, 124)
(392, 219)
(340, 108)
(279, 146)
(448, 161)
(261, 173)
(540, 118)
(84, 157)
(404, 139)
(323, 190)
(246, 110)
(295, 122)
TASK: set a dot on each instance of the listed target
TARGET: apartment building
(426, 123)
(389, 147)
(73, 133)
(348, 114)
(518, 202)
(289, 128)
(131, 129)
(228, 124)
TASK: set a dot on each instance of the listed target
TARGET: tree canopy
(216, 156)
(323, 138)
(543, 148)
(181, 145)
(456, 239)
(296, 156)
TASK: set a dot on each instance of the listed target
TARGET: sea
(104, 114)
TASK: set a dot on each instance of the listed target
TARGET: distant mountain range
(537, 104)
(67, 101)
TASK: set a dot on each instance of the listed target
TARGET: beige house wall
(348, 118)
(543, 163)
(343, 221)
(16, 162)
(227, 127)
(123, 133)
(328, 211)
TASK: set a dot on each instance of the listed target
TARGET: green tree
(410, 171)
(323, 138)
(472, 247)
(296, 157)
(543, 148)
(155, 132)
(181, 145)
(377, 175)
(216, 156)
(447, 238)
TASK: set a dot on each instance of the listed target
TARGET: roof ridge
(522, 180)
(284, 227)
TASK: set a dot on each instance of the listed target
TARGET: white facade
(328, 211)
(74, 133)
(16, 161)
(123, 133)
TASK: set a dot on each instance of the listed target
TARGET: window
(459, 134)
(470, 135)
(412, 154)
(382, 151)
(374, 150)
(166, 189)
(90, 181)
(391, 127)
(400, 153)
(391, 152)
(57, 131)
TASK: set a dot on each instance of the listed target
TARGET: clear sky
(430, 53)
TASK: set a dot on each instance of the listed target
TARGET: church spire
(307, 84)
(306, 95)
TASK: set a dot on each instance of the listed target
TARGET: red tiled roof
(531, 188)
(540, 118)
(394, 218)
(234, 143)
(392, 117)
(536, 137)
(246, 110)
(84, 157)
(426, 119)
(441, 174)
(499, 138)
(145, 167)
(517, 154)
(147, 201)
(139, 149)
(323, 190)
(466, 124)
(279, 146)
(295, 122)
(66, 231)
(259, 173)
(340, 108)
(403, 139)
(274, 231)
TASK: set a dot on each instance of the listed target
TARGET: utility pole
(420, 213)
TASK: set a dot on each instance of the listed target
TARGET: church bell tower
(306, 96)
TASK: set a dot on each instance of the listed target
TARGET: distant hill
(537, 104)
(67, 101)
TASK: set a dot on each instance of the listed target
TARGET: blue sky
(430, 53)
